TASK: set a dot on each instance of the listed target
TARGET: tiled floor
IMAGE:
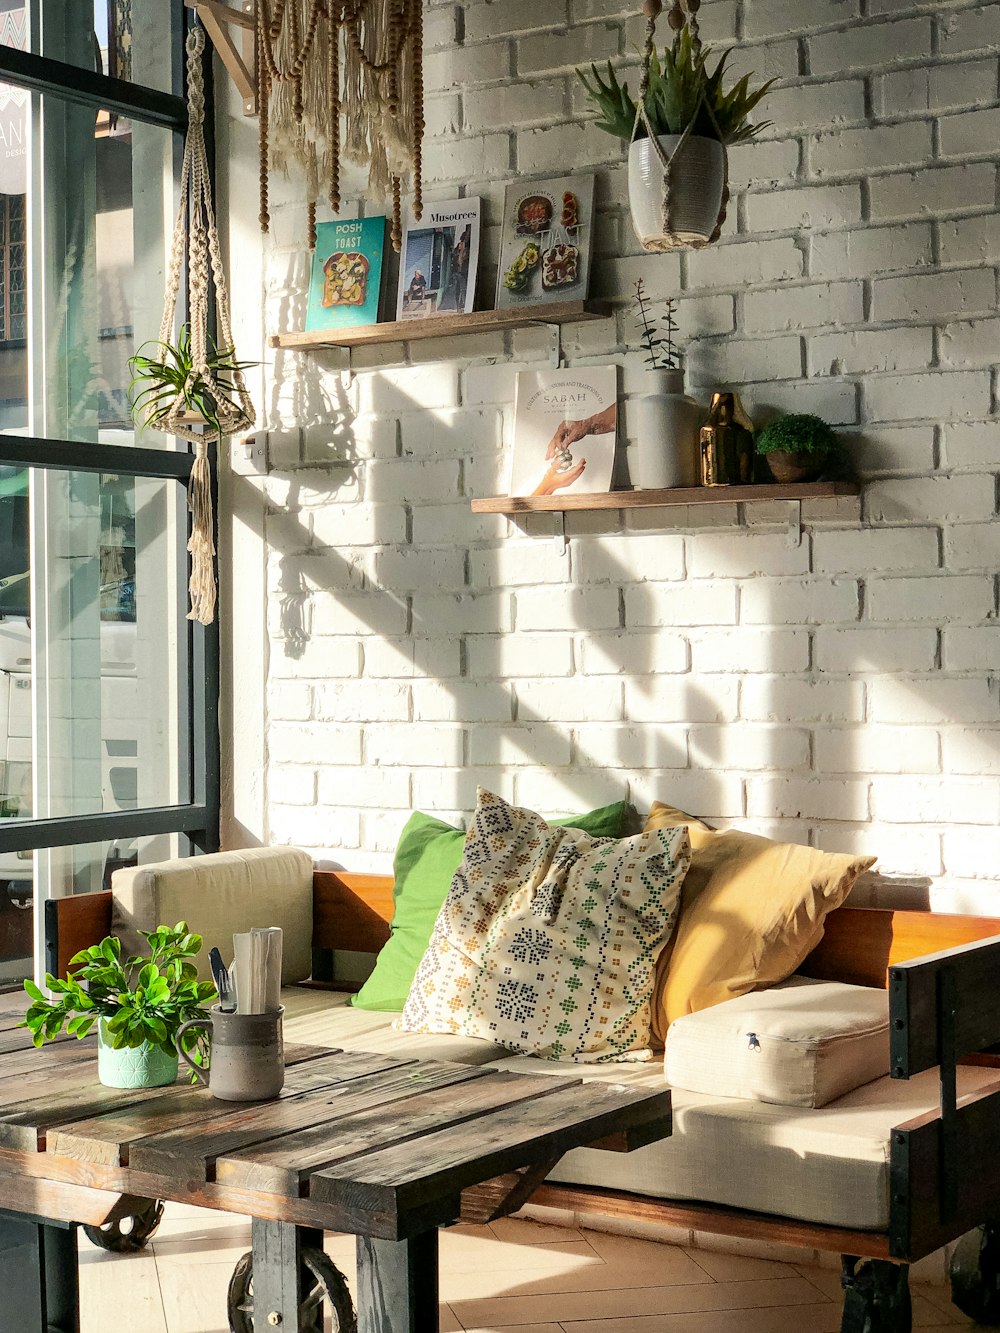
(515, 1274)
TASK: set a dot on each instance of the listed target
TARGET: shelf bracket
(555, 345)
(559, 532)
(794, 536)
(217, 18)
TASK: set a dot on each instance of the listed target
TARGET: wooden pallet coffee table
(383, 1147)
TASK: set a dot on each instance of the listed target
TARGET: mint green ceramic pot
(145, 1066)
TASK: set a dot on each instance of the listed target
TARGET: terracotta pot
(786, 467)
(697, 180)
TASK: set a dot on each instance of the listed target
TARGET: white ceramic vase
(665, 453)
(697, 180)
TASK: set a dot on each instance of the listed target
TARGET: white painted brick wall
(842, 691)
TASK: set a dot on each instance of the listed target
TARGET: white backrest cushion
(219, 895)
(801, 1043)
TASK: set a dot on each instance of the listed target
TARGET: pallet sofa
(883, 1176)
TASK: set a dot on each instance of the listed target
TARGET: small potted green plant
(683, 95)
(138, 1005)
(800, 446)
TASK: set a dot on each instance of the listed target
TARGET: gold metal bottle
(727, 443)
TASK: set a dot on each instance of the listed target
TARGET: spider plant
(169, 373)
(681, 88)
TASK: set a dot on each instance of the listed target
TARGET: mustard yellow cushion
(751, 910)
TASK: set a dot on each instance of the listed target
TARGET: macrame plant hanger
(195, 233)
(680, 12)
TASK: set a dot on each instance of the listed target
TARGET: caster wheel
(324, 1290)
(975, 1275)
(130, 1233)
(876, 1296)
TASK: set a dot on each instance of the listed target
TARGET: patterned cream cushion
(801, 1043)
(548, 938)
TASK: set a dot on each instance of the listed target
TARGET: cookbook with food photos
(346, 274)
(546, 242)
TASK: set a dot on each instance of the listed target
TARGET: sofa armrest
(943, 1006)
(72, 924)
(944, 1171)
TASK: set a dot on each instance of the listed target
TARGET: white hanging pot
(665, 452)
(696, 197)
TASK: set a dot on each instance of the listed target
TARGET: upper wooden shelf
(681, 495)
(446, 326)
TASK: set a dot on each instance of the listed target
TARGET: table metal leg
(398, 1284)
(38, 1275)
(295, 1285)
(277, 1273)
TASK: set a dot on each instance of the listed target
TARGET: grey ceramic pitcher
(247, 1060)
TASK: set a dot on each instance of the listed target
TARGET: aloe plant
(681, 88)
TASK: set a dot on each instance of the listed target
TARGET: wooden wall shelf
(446, 326)
(682, 495)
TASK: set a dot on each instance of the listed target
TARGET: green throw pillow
(427, 856)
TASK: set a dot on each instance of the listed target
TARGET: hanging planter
(194, 388)
(678, 133)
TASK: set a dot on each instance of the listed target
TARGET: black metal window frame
(197, 819)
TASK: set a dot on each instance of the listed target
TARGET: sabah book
(565, 424)
(440, 260)
(346, 274)
(546, 241)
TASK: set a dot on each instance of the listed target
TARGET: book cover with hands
(565, 425)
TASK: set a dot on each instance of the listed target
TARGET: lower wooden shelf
(681, 495)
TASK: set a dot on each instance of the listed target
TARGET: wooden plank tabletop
(374, 1143)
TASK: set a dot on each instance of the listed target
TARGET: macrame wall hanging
(217, 377)
(323, 61)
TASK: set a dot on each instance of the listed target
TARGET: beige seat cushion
(751, 910)
(801, 1043)
(829, 1166)
(325, 1018)
(217, 896)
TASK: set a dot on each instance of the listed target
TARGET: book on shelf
(546, 241)
(565, 426)
(346, 281)
(439, 261)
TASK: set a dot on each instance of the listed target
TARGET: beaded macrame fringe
(680, 12)
(196, 235)
(323, 60)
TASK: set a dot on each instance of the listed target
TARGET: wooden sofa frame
(943, 977)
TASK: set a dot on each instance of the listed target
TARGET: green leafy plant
(799, 433)
(137, 999)
(171, 373)
(681, 88)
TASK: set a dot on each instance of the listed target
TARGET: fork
(223, 982)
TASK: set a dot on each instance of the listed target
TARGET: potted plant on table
(138, 1005)
(799, 447)
(666, 448)
(679, 132)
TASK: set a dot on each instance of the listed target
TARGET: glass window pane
(28, 878)
(96, 258)
(127, 39)
(93, 681)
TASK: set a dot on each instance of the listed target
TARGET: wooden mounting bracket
(240, 61)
